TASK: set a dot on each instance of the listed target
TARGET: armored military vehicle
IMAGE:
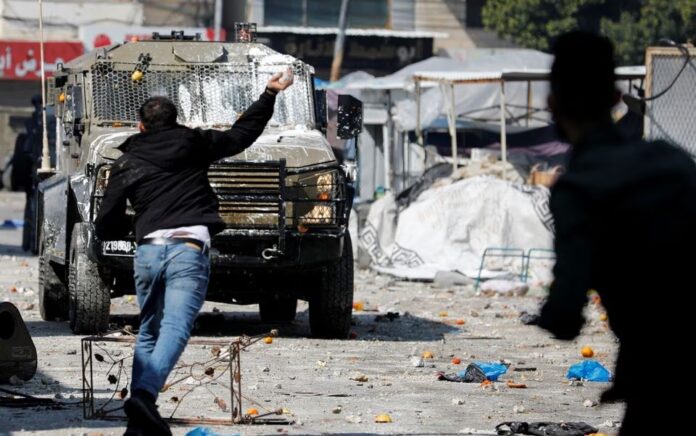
(285, 200)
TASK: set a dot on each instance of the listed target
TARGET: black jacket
(625, 218)
(164, 175)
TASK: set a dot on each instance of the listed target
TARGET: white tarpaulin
(448, 227)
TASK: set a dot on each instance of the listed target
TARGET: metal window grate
(670, 117)
(206, 95)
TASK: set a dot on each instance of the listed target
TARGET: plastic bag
(589, 370)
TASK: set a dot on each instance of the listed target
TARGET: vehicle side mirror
(350, 117)
(320, 110)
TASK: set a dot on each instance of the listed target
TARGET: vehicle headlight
(100, 188)
(102, 180)
(313, 198)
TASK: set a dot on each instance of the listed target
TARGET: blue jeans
(171, 282)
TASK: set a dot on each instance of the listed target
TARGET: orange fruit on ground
(268, 340)
(460, 322)
(358, 306)
(456, 361)
(252, 412)
(442, 314)
(427, 355)
(587, 351)
(603, 317)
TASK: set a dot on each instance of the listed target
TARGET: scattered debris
(360, 378)
(519, 409)
(529, 318)
(589, 403)
(383, 419)
(443, 314)
(457, 401)
(389, 316)
(417, 362)
(336, 410)
(545, 428)
(507, 288)
(221, 404)
(513, 385)
(524, 369)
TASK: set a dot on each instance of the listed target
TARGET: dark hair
(158, 112)
(582, 76)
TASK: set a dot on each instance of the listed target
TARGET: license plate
(118, 248)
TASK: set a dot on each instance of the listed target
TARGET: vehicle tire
(90, 298)
(278, 310)
(331, 307)
(53, 294)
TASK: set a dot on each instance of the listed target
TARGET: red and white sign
(94, 36)
(21, 59)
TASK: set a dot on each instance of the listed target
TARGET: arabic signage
(20, 60)
(94, 35)
(376, 54)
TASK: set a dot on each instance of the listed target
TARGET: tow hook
(271, 253)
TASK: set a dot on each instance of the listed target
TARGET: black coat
(625, 217)
(164, 175)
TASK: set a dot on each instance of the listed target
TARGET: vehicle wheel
(331, 307)
(90, 299)
(278, 310)
(53, 295)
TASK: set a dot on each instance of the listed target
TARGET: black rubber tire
(278, 310)
(331, 307)
(90, 297)
(53, 294)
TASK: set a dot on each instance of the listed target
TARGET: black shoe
(134, 429)
(141, 408)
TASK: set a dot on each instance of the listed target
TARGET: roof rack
(176, 35)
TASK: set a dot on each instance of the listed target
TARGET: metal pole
(419, 131)
(45, 152)
(340, 42)
(529, 101)
(305, 20)
(503, 133)
(386, 140)
(453, 128)
(217, 21)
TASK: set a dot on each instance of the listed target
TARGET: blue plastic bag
(12, 224)
(493, 370)
(204, 431)
(589, 370)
